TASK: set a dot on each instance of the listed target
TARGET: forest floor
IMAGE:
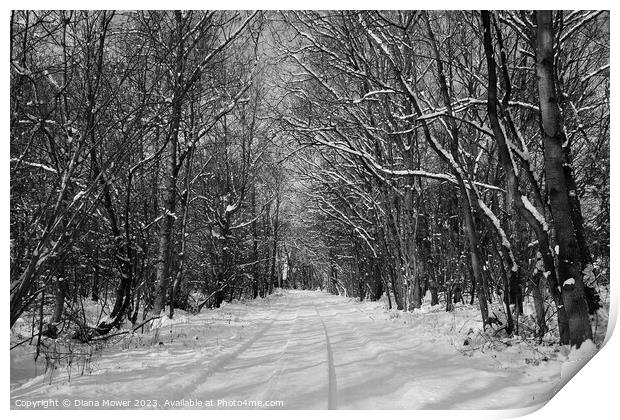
(301, 350)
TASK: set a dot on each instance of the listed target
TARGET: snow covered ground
(302, 350)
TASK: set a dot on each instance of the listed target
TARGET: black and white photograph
(306, 209)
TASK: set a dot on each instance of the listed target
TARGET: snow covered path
(309, 350)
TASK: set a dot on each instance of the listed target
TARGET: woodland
(178, 160)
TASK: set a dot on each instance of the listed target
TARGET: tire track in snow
(332, 401)
(219, 362)
(362, 347)
(273, 378)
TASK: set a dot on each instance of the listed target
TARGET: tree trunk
(536, 288)
(274, 255)
(569, 267)
(185, 202)
(95, 287)
(434, 294)
(59, 301)
(377, 281)
(255, 279)
(162, 276)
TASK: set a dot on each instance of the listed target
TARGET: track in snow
(332, 394)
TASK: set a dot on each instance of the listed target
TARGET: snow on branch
(539, 217)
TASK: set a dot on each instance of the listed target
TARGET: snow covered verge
(462, 327)
(462, 330)
(61, 360)
(311, 349)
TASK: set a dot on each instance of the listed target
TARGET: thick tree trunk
(569, 267)
(591, 294)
